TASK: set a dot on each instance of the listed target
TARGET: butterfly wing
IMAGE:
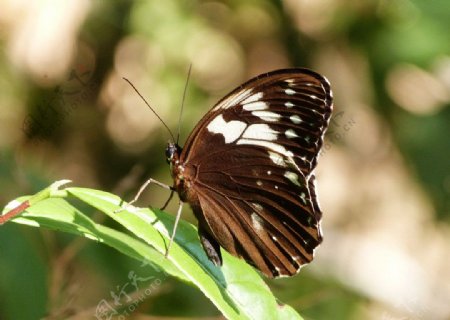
(294, 102)
(253, 155)
(268, 219)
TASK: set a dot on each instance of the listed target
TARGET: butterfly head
(172, 152)
(177, 169)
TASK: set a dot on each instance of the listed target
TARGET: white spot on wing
(289, 92)
(257, 222)
(255, 106)
(260, 131)
(303, 197)
(257, 206)
(259, 183)
(291, 134)
(277, 159)
(229, 130)
(267, 115)
(295, 119)
(293, 177)
(253, 97)
(289, 104)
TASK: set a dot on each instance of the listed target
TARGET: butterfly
(247, 171)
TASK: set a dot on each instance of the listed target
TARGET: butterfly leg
(177, 219)
(211, 247)
(142, 188)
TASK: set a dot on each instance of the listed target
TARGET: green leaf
(236, 289)
(58, 214)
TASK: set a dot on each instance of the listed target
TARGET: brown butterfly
(246, 170)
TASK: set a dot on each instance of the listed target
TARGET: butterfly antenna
(182, 102)
(148, 105)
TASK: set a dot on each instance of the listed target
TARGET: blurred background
(383, 177)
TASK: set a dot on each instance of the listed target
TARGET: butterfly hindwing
(272, 211)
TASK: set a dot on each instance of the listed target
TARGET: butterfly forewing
(248, 169)
(297, 102)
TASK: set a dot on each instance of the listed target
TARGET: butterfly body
(247, 171)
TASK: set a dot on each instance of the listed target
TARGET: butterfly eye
(172, 151)
(169, 153)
